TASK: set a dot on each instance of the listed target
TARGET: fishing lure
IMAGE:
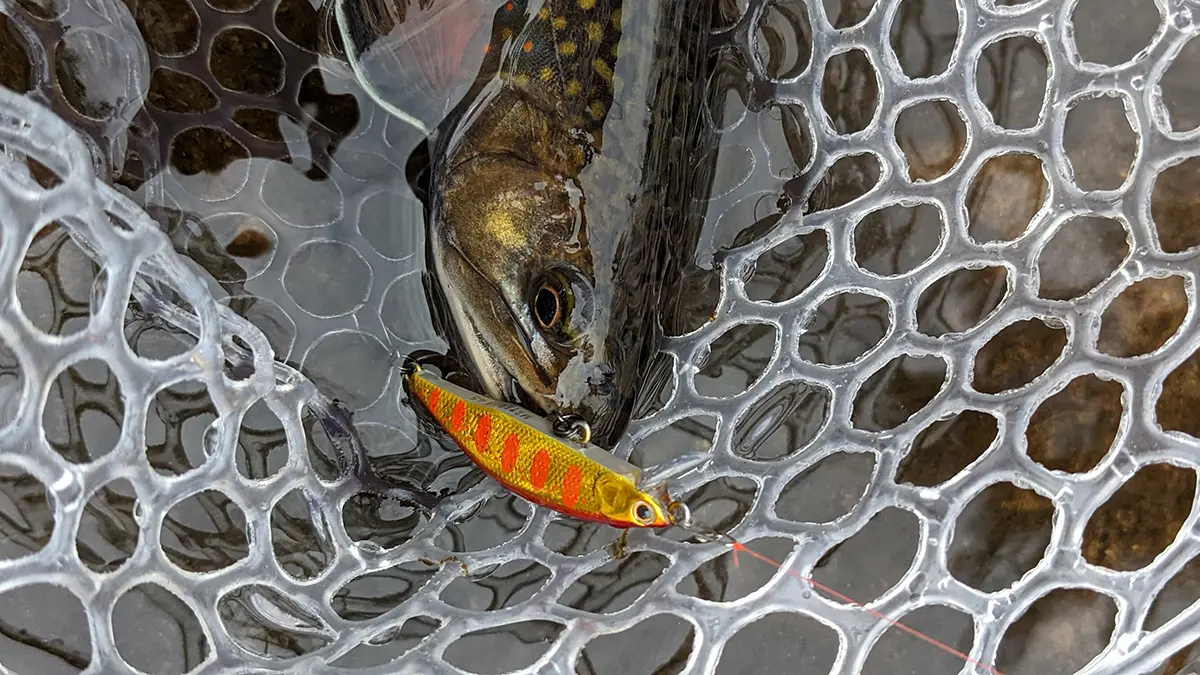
(526, 455)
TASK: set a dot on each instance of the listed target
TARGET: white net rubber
(252, 563)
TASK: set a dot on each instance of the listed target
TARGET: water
(255, 135)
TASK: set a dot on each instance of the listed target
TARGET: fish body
(550, 260)
(521, 452)
(557, 176)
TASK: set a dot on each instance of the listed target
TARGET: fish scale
(521, 452)
(566, 54)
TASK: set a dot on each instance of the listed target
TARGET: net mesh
(949, 367)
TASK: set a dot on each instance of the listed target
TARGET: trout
(560, 183)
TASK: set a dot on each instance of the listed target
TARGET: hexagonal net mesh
(948, 365)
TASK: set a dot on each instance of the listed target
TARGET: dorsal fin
(418, 59)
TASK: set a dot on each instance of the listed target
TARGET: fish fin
(416, 60)
(661, 473)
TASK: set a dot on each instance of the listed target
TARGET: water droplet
(1182, 20)
(1126, 643)
(211, 441)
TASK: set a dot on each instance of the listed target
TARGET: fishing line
(683, 519)
(739, 547)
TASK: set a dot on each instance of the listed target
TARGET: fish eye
(548, 307)
(643, 513)
(559, 305)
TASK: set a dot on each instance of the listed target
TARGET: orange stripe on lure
(521, 451)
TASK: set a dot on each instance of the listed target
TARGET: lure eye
(547, 307)
(643, 513)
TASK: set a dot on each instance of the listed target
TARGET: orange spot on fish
(507, 7)
(434, 397)
(528, 46)
(508, 460)
(572, 483)
(483, 431)
(539, 471)
(456, 417)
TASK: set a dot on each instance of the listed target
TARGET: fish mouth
(492, 341)
(458, 278)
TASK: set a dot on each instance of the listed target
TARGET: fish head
(529, 304)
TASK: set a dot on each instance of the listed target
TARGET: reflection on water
(500, 650)
(781, 643)
(389, 645)
(615, 585)
(719, 580)
(263, 621)
(659, 645)
(374, 594)
(507, 585)
(1060, 633)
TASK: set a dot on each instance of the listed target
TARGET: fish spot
(547, 73)
(539, 471)
(573, 87)
(508, 7)
(616, 18)
(521, 79)
(543, 13)
(594, 31)
(483, 432)
(457, 417)
(567, 48)
(508, 460)
(528, 46)
(597, 109)
(560, 22)
(505, 33)
(572, 484)
(602, 69)
(434, 398)
(587, 4)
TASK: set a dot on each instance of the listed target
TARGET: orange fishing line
(738, 547)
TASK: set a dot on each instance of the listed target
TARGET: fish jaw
(496, 342)
(495, 362)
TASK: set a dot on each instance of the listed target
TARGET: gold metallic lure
(523, 453)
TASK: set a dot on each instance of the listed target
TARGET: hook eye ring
(680, 514)
(573, 427)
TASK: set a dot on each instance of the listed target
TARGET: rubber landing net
(170, 503)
